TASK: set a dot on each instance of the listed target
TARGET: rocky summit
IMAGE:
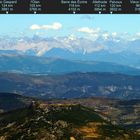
(45, 121)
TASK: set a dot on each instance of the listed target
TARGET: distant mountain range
(115, 50)
(73, 85)
(44, 65)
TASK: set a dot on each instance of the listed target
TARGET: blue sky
(17, 25)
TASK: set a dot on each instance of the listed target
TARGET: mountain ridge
(31, 64)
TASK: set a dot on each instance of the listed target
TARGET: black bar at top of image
(69, 6)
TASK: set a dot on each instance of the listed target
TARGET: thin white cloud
(35, 27)
(54, 26)
(89, 30)
(85, 30)
(87, 17)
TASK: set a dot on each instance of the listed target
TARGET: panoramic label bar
(69, 6)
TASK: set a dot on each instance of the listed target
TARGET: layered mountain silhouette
(43, 65)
